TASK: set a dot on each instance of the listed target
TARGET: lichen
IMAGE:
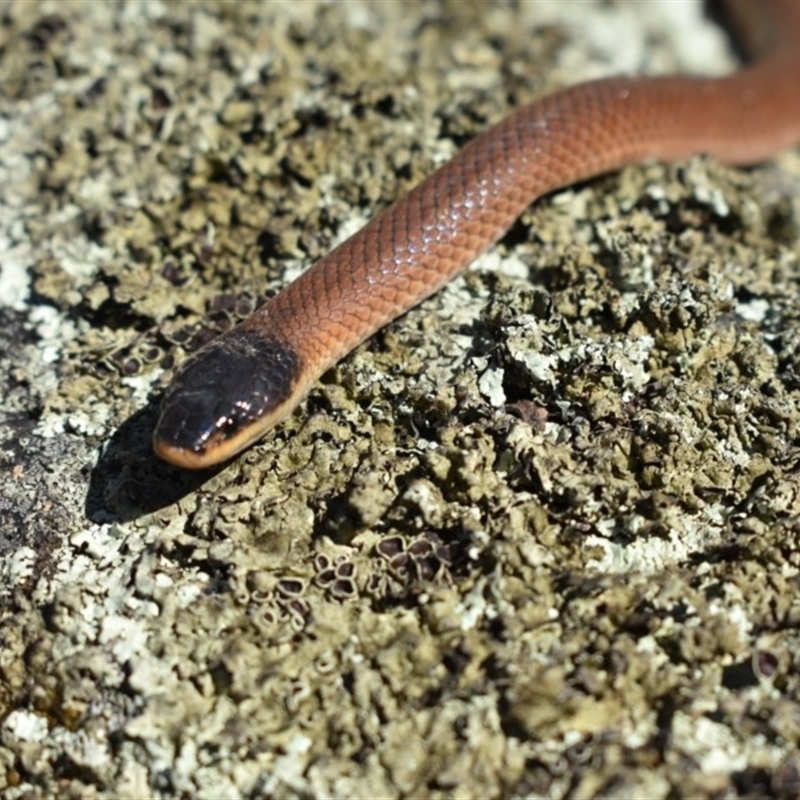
(536, 538)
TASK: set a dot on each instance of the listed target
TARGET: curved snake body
(243, 383)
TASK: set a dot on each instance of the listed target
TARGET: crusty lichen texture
(537, 538)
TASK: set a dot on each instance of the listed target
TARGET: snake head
(226, 397)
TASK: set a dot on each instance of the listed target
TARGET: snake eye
(241, 414)
(228, 426)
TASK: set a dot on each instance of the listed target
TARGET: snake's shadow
(129, 482)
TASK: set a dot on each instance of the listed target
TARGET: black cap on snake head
(224, 398)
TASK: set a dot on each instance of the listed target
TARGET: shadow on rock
(129, 481)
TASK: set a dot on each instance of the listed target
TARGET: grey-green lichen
(537, 538)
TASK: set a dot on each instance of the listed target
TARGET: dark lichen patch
(537, 538)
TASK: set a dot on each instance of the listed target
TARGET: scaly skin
(230, 394)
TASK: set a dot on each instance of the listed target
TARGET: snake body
(247, 380)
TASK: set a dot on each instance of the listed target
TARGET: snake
(230, 393)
